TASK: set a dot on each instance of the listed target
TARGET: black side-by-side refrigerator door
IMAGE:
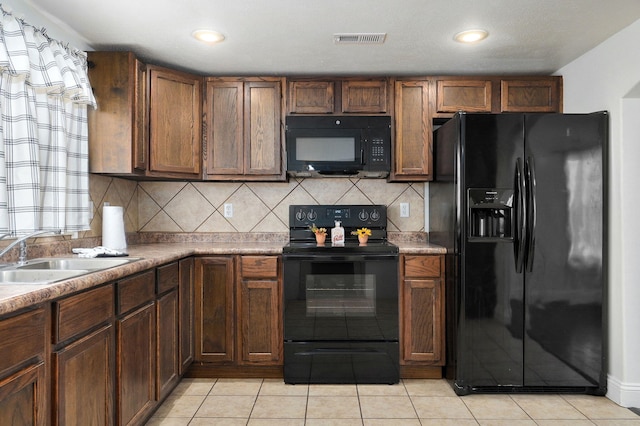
(490, 318)
(565, 273)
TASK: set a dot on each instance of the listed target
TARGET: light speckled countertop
(15, 297)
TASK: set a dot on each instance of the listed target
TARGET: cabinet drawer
(78, 314)
(136, 291)
(422, 266)
(21, 338)
(168, 277)
(259, 267)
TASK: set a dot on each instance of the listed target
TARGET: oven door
(341, 319)
(346, 297)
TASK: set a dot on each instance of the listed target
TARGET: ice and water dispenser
(490, 214)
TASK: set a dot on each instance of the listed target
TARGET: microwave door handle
(362, 156)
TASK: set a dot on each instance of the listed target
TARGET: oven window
(341, 295)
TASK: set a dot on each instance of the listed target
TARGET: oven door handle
(341, 351)
(339, 258)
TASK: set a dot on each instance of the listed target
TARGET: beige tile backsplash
(257, 206)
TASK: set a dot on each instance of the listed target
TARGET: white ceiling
(295, 37)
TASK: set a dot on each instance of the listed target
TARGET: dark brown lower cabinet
(260, 311)
(22, 396)
(83, 377)
(83, 358)
(168, 346)
(215, 322)
(107, 355)
(239, 314)
(136, 365)
(186, 299)
(136, 348)
(23, 387)
(422, 337)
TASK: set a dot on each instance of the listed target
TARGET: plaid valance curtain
(44, 96)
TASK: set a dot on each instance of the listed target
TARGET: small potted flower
(363, 234)
(320, 233)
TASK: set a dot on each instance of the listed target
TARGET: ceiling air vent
(359, 38)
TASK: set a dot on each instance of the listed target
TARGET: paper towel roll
(113, 228)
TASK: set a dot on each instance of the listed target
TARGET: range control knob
(312, 215)
(300, 215)
(363, 215)
(375, 215)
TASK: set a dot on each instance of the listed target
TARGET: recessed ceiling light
(471, 36)
(208, 36)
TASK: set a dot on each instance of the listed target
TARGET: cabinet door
(463, 95)
(413, 146)
(422, 310)
(422, 316)
(311, 97)
(368, 96)
(214, 311)
(263, 140)
(136, 367)
(186, 305)
(118, 128)
(83, 375)
(260, 322)
(543, 95)
(167, 375)
(23, 398)
(175, 124)
(225, 138)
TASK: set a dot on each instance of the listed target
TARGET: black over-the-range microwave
(338, 146)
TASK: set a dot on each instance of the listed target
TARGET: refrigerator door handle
(519, 243)
(530, 173)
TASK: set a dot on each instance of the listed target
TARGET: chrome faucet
(22, 257)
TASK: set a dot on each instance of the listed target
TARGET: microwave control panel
(378, 153)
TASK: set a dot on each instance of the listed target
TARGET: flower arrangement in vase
(320, 233)
(363, 234)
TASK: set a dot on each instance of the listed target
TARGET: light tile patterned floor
(256, 402)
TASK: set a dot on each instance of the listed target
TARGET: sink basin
(37, 276)
(64, 264)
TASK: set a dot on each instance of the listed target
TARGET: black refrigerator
(520, 202)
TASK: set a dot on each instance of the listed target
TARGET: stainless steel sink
(49, 270)
(37, 276)
(91, 263)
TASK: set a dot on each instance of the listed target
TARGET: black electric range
(341, 301)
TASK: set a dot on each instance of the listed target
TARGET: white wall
(606, 78)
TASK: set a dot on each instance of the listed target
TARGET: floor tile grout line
(359, 405)
(202, 403)
(255, 401)
(411, 400)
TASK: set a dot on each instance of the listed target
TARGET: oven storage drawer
(341, 362)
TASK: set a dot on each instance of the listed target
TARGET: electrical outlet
(404, 209)
(228, 210)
